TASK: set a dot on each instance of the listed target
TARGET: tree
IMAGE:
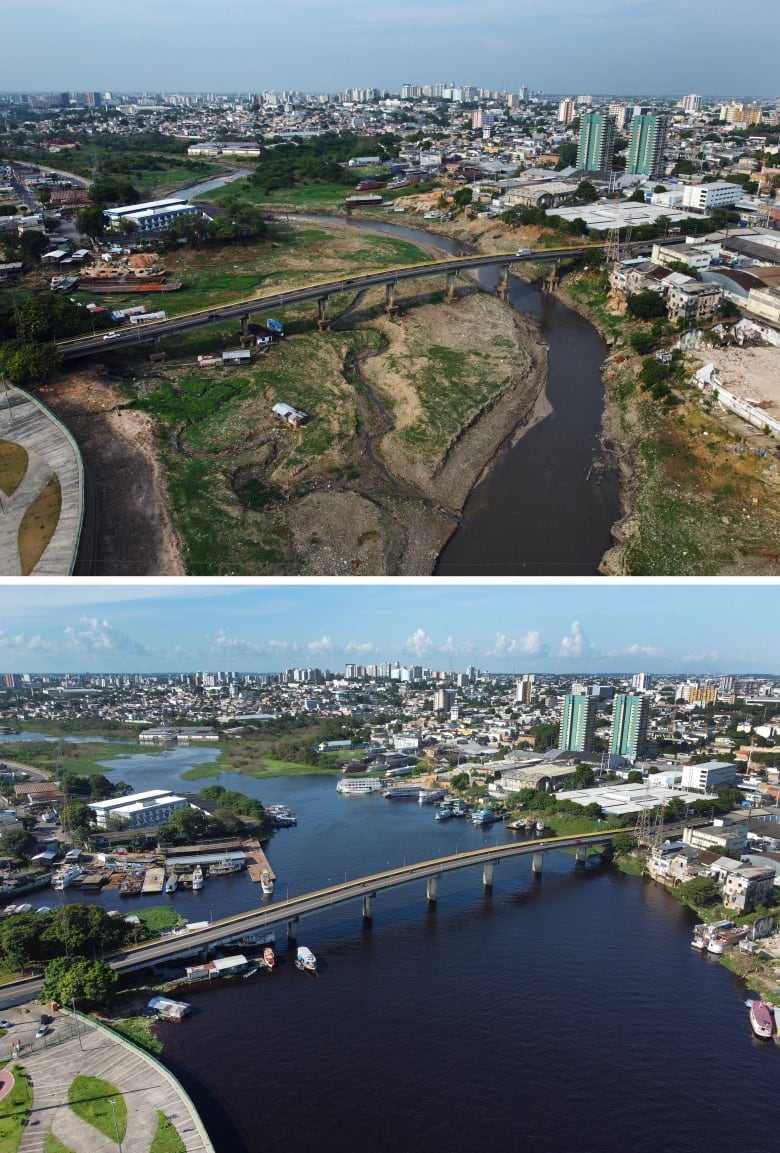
(16, 844)
(646, 305)
(582, 777)
(624, 843)
(701, 891)
(26, 363)
(67, 981)
(91, 221)
(185, 825)
(586, 192)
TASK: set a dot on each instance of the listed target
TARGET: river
(566, 1012)
(542, 509)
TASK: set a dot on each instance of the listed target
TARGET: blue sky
(599, 626)
(562, 46)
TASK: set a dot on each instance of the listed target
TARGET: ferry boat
(305, 960)
(224, 867)
(65, 876)
(443, 813)
(720, 942)
(430, 796)
(762, 1018)
(401, 792)
(266, 882)
(486, 817)
(358, 786)
(197, 877)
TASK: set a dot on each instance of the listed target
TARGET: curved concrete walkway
(144, 1085)
(51, 449)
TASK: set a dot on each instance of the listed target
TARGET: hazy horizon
(309, 47)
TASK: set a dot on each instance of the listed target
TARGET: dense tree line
(319, 160)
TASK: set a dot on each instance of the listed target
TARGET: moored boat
(266, 882)
(224, 867)
(762, 1018)
(197, 877)
(358, 786)
(305, 960)
(65, 876)
(171, 883)
(269, 957)
(720, 942)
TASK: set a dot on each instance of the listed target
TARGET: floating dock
(154, 880)
(256, 861)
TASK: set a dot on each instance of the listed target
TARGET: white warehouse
(153, 216)
(139, 809)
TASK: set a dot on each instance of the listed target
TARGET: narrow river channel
(542, 508)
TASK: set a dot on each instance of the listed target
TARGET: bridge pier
(292, 930)
(537, 862)
(451, 278)
(368, 906)
(322, 313)
(502, 289)
(432, 890)
(390, 306)
(244, 324)
(580, 853)
(550, 282)
(487, 874)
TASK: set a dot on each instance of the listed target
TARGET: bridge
(452, 267)
(289, 912)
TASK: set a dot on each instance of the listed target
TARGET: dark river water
(566, 1012)
(541, 510)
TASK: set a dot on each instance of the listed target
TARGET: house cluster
(693, 275)
(740, 852)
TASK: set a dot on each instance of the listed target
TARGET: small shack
(293, 416)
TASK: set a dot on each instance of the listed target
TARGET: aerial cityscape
(488, 279)
(389, 559)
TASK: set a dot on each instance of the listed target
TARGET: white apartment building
(707, 777)
(704, 197)
(139, 809)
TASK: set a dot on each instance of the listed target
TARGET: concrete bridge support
(487, 874)
(244, 324)
(292, 930)
(550, 282)
(432, 890)
(580, 853)
(391, 307)
(537, 863)
(451, 279)
(502, 289)
(322, 313)
(368, 907)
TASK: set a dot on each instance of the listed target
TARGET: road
(95, 345)
(291, 910)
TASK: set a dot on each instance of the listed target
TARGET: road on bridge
(134, 334)
(292, 909)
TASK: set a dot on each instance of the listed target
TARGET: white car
(110, 335)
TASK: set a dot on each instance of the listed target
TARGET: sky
(564, 627)
(606, 46)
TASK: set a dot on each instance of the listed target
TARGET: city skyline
(608, 48)
(556, 628)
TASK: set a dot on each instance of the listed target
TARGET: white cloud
(360, 649)
(97, 636)
(323, 645)
(636, 650)
(530, 644)
(419, 643)
(576, 645)
(24, 643)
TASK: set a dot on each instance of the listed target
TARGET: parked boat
(443, 813)
(269, 957)
(430, 796)
(197, 878)
(225, 867)
(171, 883)
(65, 876)
(266, 882)
(703, 934)
(762, 1018)
(720, 942)
(168, 1010)
(358, 786)
(305, 960)
(486, 817)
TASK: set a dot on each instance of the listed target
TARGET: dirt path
(130, 532)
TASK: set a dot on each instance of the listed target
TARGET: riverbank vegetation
(15, 1109)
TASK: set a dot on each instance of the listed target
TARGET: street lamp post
(116, 1124)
